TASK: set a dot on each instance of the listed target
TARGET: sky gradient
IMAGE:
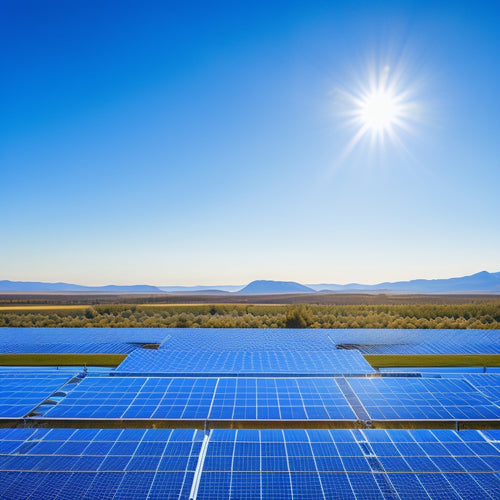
(184, 143)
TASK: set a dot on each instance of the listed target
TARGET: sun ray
(381, 111)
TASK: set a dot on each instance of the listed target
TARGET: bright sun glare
(379, 109)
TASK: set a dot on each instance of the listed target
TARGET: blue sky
(207, 143)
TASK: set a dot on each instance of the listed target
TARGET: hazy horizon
(189, 144)
(234, 284)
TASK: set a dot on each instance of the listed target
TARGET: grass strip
(431, 360)
(61, 359)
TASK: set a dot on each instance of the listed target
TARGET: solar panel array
(184, 463)
(329, 362)
(219, 380)
(349, 464)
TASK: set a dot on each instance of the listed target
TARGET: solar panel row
(422, 398)
(204, 398)
(431, 348)
(157, 463)
(82, 335)
(388, 336)
(401, 398)
(67, 348)
(329, 362)
(349, 464)
(247, 339)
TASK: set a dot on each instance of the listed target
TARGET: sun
(379, 110)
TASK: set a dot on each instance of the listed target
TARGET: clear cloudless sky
(206, 143)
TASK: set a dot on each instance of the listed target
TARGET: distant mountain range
(483, 282)
(36, 286)
(480, 282)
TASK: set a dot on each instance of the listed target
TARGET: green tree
(298, 317)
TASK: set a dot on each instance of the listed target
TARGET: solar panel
(66, 348)
(162, 463)
(92, 463)
(20, 392)
(431, 348)
(411, 398)
(390, 336)
(82, 335)
(346, 464)
(205, 398)
(487, 384)
(242, 363)
(247, 339)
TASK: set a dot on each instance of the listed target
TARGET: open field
(459, 313)
(72, 299)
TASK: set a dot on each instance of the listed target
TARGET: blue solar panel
(432, 348)
(487, 384)
(80, 464)
(309, 363)
(162, 463)
(82, 335)
(391, 336)
(20, 392)
(422, 398)
(344, 464)
(247, 339)
(67, 348)
(205, 398)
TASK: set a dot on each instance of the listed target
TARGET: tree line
(485, 315)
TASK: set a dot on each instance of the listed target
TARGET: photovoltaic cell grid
(488, 384)
(82, 335)
(349, 464)
(136, 463)
(388, 336)
(20, 392)
(247, 339)
(242, 363)
(431, 348)
(204, 398)
(93, 463)
(67, 348)
(422, 398)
